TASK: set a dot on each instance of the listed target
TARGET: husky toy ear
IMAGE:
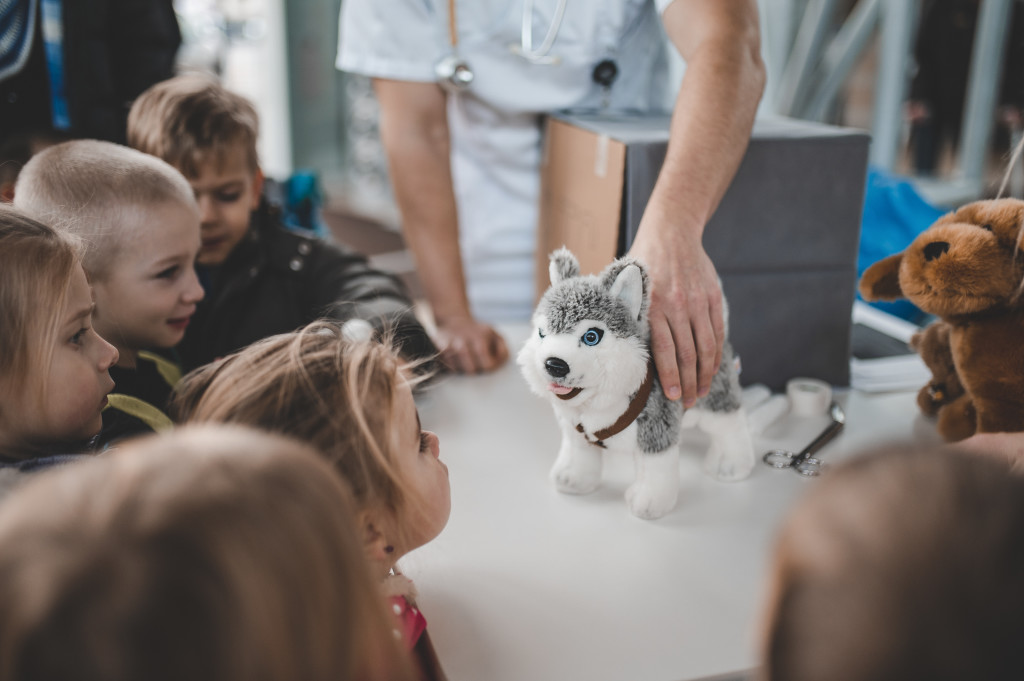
(881, 281)
(626, 280)
(564, 265)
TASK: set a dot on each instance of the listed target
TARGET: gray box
(784, 238)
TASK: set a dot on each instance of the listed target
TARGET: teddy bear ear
(881, 281)
(563, 265)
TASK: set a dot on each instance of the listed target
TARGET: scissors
(803, 463)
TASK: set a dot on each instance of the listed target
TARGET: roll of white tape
(808, 396)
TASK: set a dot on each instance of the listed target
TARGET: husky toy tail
(589, 356)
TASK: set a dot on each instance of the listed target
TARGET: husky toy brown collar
(636, 405)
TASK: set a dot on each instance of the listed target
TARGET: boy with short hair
(139, 222)
(260, 278)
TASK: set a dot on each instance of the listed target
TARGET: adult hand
(687, 323)
(469, 346)
(1006, 447)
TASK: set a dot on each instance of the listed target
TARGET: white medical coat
(496, 124)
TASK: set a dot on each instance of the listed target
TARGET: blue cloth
(894, 214)
(53, 37)
(303, 203)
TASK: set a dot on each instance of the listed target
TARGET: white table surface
(528, 584)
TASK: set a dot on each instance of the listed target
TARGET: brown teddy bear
(967, 269)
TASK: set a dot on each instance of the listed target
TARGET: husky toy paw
(577, 474)
(589, 357)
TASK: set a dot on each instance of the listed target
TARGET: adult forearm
(710, 127)
(414, 128)
(418, 155)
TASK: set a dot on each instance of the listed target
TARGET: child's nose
(108, 354)
(207, 212)
(193, 290)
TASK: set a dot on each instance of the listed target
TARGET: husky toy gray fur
(589, 356)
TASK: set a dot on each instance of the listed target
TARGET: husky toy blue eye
(590, 358)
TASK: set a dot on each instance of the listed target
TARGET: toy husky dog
(589, 356)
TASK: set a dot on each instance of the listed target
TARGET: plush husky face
(590, 333)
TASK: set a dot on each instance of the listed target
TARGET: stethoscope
(454, 73)
(803, 463)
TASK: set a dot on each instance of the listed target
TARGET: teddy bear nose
(556, 367)
(935, 249)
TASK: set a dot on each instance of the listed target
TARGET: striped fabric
(17, 26)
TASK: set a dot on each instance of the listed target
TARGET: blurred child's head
(352, 401)
(53, 366)
(214, 553)
(905, 564)
(140, 226)
(208, 133)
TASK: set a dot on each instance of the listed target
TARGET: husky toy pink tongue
(564, 392)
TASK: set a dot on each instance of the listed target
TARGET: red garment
(410, 622)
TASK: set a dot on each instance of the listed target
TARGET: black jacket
(277, 280)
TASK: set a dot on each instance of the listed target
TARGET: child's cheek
(81, 419)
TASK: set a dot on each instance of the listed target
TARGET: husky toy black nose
(556, 367)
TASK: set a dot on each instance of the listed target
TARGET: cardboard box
(784, 238)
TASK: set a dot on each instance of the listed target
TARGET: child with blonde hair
(54, 376)
(207, 554)
(352, 400)
(260, 278)
(906, 564)
(139, 222)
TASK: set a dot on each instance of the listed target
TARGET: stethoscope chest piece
(454, 73)
(605, 73)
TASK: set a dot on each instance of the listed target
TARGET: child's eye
(540, 333)
(592, 336)
(228, 197)
(424, 442)
(79, 336)
(168, 273)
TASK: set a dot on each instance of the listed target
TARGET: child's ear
(257, 188)
(374, 542)
(881, 281)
